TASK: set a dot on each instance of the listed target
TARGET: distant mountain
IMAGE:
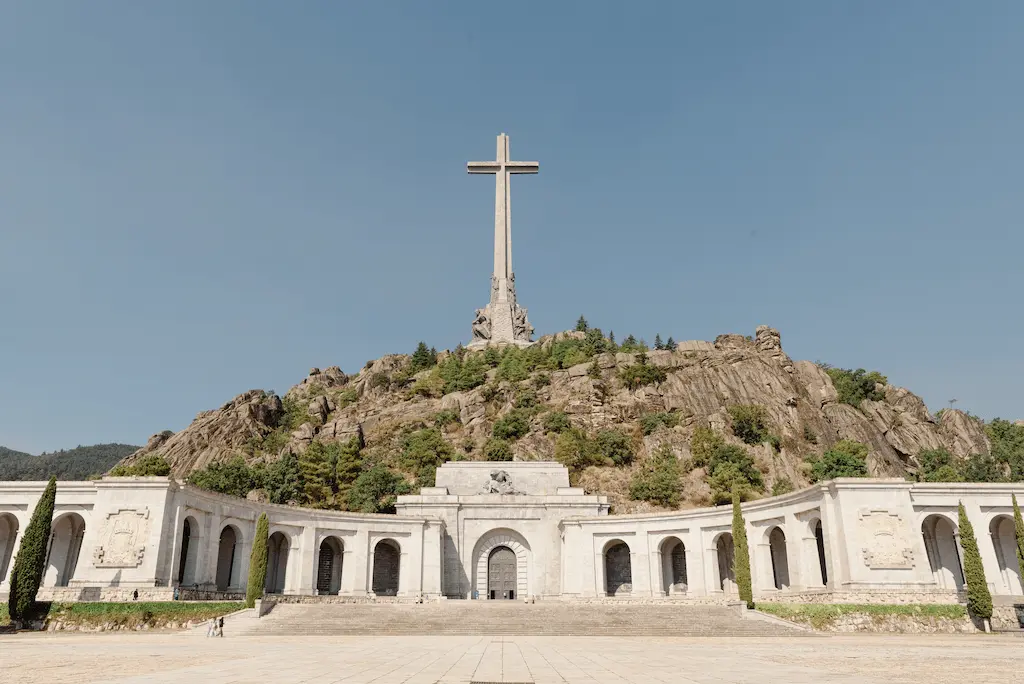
(79, 463)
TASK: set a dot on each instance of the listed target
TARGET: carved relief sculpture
(500, 483)
(887, 548)
(122, 539)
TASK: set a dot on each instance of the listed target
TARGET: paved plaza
(175, 657)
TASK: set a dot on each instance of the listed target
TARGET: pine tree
(582, 325)
(284, 480)
(670, 344)
(31, 560)
(611, 339)
(422, 357)
(658, 344)
(258, 562)
(741, 552)
(979, 600)
(1018, 528)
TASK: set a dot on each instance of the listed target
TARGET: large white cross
(502, 168)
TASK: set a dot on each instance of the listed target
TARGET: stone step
(490, 618)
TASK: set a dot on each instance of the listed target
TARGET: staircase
(494, 618)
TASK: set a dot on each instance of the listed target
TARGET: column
(307, 551)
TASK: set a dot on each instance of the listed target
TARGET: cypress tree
(979, 600)
(31, 561)
(258, 562)
(741, 552)
(1018, 528)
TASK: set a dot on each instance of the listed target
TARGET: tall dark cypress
(257, 562)
(979, 600)
(741, 552)
(27, 574)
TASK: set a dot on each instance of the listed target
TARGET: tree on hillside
(658, 344)
(657, 480)
(741, 553)
(258, 562)
(979, 600)
(670, 344)
(582, 325)
(31, 560)
(423, 357)
(846, 459)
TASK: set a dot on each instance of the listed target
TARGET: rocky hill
(524, 402)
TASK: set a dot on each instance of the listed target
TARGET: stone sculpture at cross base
(502, 321)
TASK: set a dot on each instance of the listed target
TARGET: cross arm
(522, 167)
(483, 167)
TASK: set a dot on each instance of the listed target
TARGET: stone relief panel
(887, 547)
(122, 539)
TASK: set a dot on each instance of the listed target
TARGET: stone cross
(503, 320)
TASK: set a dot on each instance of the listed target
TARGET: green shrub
(258, 562)
(931, 461)
(979, 600)
(29, 564)
(782, 486)
(379, 379)
(854, 386)
(810, 435)
(576, 451)
(513, 366)
(657, 480)
(148, 465)
(556, 421)
(981, 468)
(346, 397)
(526, 399)
(234, 477)
(750, 423)
(703, 445)
(497, 449)
(376, 490)
(732, 469)
(446, 417)
(741, 553)
(614, 445)
(513, 425)
(649, 422)
(541, 380)
(462, 373)
(424, 449)
(641, 373)
(1007, 446)
(846, 459)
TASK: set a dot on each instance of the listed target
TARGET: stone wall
(1008, 617)
(886, 596)
(901, 624)
(106, 594)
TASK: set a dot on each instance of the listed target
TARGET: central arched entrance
(502, 574)
(277, 563)
(618, 568)
(501, 563)
(328, 572)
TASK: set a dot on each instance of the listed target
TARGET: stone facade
(849, 540)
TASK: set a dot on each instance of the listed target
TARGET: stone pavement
(173, 657)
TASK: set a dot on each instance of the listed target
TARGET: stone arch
(942, 544)
(482, 553)
(8, 538)
(278, 545)
(673, 566)
(66, 536)
(725, 552)
(228, 563)
(618, 568)
(387, 563)
(329, 565)
(1004, 540)
(780, 558)
(818, 532)
(190, 538)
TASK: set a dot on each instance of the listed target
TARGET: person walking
(212, 629)
(220, 627)
(135, 595)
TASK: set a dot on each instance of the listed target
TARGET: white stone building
(516, 531)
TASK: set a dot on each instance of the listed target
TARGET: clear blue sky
(199, 198)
